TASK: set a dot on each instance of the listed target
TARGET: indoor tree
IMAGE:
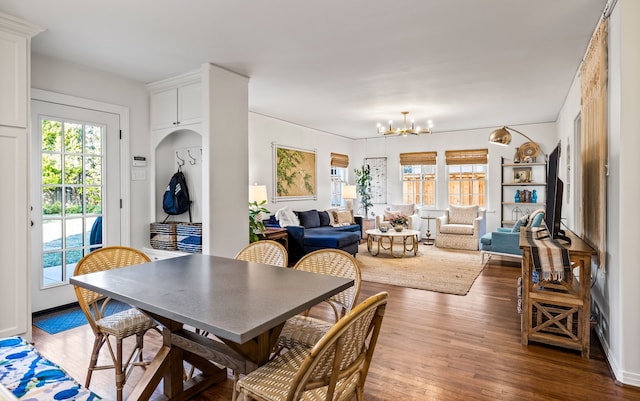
(363, 187)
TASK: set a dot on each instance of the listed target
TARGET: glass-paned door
(70, 153)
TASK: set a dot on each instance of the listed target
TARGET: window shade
(469, 156)
(418, 158)
(339, 160)
(594, 142)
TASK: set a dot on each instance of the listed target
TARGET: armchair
(409, 210)
(461, 227)
(506, 241)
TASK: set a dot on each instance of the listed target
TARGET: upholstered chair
(461, 227)
(408, 209)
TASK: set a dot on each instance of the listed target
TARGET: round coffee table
(409, 241)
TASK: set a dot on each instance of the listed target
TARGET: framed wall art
(378, 166)
(294, 173)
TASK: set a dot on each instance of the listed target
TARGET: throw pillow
(330, 212)
(309, 218)
(286, 217)
(406, 209)
(462, 214)
(521, 222)
(343, 217)
(388, 214)
(325, 220)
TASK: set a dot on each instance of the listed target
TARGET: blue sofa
(506, 241)
(315, 232)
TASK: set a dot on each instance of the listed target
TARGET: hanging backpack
(176, 198)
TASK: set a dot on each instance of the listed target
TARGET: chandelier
(404, 131)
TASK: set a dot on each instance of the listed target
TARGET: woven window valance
(469, 156)
(339, 160)
(418, 158)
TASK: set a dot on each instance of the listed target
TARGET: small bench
(26, 374)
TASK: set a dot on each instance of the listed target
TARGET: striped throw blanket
(550, 259)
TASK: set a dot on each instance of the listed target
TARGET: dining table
(243, 305)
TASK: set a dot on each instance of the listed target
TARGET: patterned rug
(436, 269)
(58, 321)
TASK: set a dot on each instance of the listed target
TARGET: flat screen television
(553, 206)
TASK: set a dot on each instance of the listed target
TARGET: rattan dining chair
(306, 330)
(118, 325)
(267, 251)
(334, 369)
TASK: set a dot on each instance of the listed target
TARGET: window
(339, 164)
(338, 179)
(419, 178)
(467, 176)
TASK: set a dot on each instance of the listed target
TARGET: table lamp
(349, 194)
(257, 193)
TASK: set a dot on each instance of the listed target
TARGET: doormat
(59, 321)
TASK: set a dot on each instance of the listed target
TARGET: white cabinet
(15, 310)
(176, 102)
(522, 178)
(13, 80)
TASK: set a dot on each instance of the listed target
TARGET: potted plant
(399, 222)
(256, 225)
(363, 187)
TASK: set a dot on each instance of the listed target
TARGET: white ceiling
(341, 66)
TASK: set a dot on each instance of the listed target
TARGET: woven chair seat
(273, 381)
(303, 330)
(334, 369)
(126, 323)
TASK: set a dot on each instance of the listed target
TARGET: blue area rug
(71, 318)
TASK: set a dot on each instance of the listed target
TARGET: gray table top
(232, 299)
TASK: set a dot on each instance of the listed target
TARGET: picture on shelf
(521, 174)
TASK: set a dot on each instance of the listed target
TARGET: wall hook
(193, 159)
(180, 160)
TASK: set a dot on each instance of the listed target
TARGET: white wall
(75, 80)
(263, 131)
(624, 191)
(391, 147)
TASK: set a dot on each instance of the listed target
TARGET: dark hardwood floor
(432, 346)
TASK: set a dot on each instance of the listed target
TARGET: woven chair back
(267, 252)
(108, 258)
(341, 359)
(338, 263)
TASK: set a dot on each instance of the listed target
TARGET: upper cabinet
(13, 79)
(176, 102)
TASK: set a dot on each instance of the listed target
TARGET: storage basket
(163, 236)
(189, 237)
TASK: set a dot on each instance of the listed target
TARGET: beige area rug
(434, 269)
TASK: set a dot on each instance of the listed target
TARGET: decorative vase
(534, 197)
(517, 197)
(398, 227)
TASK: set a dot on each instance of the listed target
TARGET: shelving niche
(176, 140)
(533, 176)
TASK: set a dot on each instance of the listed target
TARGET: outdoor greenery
(363, 187)
(256, 226)
(76, 148)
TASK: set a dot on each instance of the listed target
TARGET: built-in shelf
(534, 179)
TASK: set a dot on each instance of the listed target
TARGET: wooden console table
(276, 234)
(558, 313)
